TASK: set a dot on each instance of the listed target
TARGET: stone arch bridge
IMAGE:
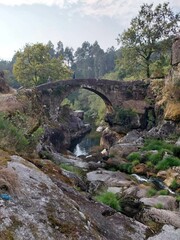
(127, 94)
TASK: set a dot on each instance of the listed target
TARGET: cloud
(110, 8)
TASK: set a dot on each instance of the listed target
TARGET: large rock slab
(46, 208)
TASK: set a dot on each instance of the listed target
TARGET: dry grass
(172, 111)
(4, 158)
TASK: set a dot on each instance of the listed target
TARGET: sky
(70, 21)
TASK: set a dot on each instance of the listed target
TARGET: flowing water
(88, 142)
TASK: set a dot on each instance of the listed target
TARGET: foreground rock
(45, 207)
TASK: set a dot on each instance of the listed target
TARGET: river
(84, 147)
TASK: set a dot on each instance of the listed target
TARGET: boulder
(108, 138)
(47, 207)
(162, 216)
(167, 202)
(167, 232)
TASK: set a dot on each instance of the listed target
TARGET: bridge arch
(59, 90)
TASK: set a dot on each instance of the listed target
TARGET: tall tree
(146, 30)
(34, 64)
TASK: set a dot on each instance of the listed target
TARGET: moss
(159, 205)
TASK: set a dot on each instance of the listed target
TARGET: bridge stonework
(126, 94)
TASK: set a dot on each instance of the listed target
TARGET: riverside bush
(134, 156)
(168, 162)
(155, 158)
(154, 144)
(109, 199)
(176, 151)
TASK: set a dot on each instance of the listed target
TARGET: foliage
(134, 156)
(92, 62)
(163, 192)
(151, 192)
(176, 151)
(33, 64)
(126, 167)
(155, 144)
(148, 36)
(174, 185)
(168, 162)
(178, 198)
(94, 108)
(11, 136)
(135, 162)
(155, 158)
(124, 116)
(109, 199)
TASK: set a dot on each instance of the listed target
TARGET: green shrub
(149, 164)
(134, 156)
(168, 162)
(154, 144)
(135, 162)
(126, 167)
(124, 116)
(154, 158)
(151, 192)
(163, 192)
(109, 199)
(11, 136)
(178, 198)
(174, 185)
(176, 151)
